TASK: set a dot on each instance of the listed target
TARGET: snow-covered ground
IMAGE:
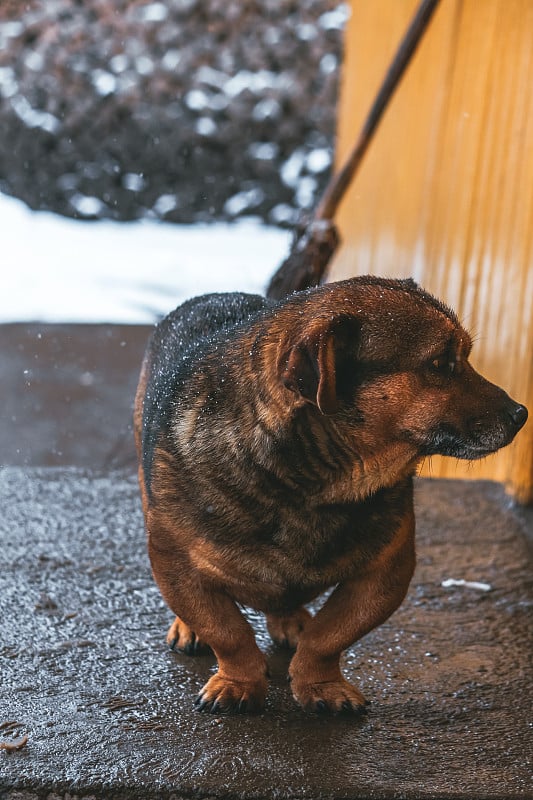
(55, 269)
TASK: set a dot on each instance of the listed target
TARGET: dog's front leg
(240, 683)
(353, 609)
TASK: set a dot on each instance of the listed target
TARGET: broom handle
(339, 183)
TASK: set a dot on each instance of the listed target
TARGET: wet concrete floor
(67, 393)
(107, 708)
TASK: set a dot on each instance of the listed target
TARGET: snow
(104, 82)
(291, 169)
(56, 269)
(86, 205)
(480, 586)
(263, 151)
(318, 160)
(8, 82)
(196, 100)
(156, 12)
(34, 118)
(241, 201)
(335, 19)
(328, 64)
(205, 126)
(255, 82)
(133, 181)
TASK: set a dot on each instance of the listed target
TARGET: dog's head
(391, 361)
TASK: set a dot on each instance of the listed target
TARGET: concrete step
(108, 709)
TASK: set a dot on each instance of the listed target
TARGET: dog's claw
(225, 696)
(192, 648)
(355, 710)
(335, 697)
(201, 702)
(182, 639)
(215, 707)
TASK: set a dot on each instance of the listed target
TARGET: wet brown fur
(277, 445)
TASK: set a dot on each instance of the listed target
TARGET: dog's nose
(518, 415)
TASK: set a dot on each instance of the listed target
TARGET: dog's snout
(518, 414)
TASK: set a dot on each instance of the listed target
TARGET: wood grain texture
(446, 191)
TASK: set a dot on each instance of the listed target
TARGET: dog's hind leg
(285, 629)
(181, 637)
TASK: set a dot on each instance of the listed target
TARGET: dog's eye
(442, 365)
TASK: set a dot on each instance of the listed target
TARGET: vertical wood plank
(445, 194)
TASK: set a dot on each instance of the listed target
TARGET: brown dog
(277, 447)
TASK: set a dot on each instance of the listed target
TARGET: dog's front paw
(336, 697)
(285, 629)
(181, 637)
(223, 695)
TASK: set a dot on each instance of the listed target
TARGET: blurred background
(182, 110)
(150, 151)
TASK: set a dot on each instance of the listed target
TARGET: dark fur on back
(179, 341)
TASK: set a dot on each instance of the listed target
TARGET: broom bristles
(315, 241)
(311, 251)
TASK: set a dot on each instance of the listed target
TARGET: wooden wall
(445, 194)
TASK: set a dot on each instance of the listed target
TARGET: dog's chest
(339, 536)
(304, 548)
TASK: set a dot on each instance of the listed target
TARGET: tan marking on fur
(184, 426)
(137, 429)
(391, 465)
(138, 405)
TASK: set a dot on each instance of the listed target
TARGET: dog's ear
(309, 368)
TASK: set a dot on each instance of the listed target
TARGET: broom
(316, 240)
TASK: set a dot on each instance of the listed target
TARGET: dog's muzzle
(480, 436)
(488, 433)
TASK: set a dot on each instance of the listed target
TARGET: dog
(277, 445)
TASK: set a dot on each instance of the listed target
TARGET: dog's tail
(316, 240)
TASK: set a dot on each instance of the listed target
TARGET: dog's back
(176, 345)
